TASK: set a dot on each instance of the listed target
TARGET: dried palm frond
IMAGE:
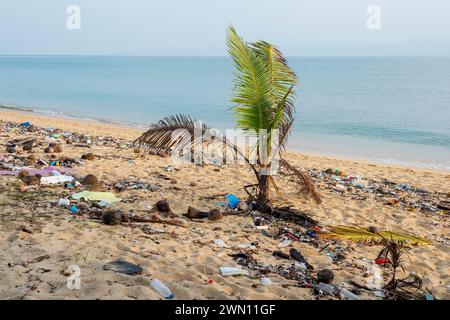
(169, 132)
(303, 182)
(363, 236)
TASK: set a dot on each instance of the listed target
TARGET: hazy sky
(198, 27)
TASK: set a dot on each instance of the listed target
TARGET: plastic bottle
(162, 289)
(348, 294)
(232, 271)
(63, 202)
(326, 288)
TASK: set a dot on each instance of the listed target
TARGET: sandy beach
(39, 239)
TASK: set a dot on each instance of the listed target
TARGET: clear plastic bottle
(162, 289)
(348, 294)
(232, 271)
(326, 288)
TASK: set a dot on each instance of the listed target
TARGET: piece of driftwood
(214, 196)
(155, 219)
(213, 214)
(22, 141)
(99, 215)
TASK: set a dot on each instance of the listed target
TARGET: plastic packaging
(266, 281)
(56, 179)
(74, 209)
(233, 271)
(162, 289)
(220, 243)
(348, 294)
(63, 202)
(232, 201)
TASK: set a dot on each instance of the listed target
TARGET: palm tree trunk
(264, 190)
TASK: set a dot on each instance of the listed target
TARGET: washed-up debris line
(47, 135)
(135, 184)
(387, 192)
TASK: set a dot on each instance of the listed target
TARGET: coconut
(215, 214)
(49, 150)
(31, 180)
(325, 276)
(89, 180)
(27, 147)
(57, 148)
(22, 174)
(163, 206)
(112, 218)
(88, 156)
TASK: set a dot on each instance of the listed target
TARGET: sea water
(385, 109)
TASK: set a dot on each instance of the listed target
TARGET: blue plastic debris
(232, 200)
(73, 209)
(221, 203)
(25, 124)
(311, 233)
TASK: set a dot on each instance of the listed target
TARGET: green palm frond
(282, 79)
(252, 86)
(363, 236)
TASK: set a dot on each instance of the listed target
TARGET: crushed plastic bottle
(56, 179)
(161, 289)
(266, 281)
(347, 294)
(326, 288)
(63, 202)
(232, 271)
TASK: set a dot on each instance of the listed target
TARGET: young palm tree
(264, 98)
(264, 108)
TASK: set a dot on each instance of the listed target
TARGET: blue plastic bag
(232, 200)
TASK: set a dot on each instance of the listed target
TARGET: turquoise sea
(384, 109)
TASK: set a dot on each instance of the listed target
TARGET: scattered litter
(266, 281)
(428, 296)
(232, 201)
(56, 179)
(74, 209)
(296, 255)
(281, 254)
(233, 271)
(347, 294)
(284, 243)
(327, 288)
(161, 289)
(123, 266)
(107, 197)
(221, 244)
(379, 293)
(63, 202)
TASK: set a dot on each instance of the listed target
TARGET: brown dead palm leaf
(302, 180)
(170, 132)
(175, 132)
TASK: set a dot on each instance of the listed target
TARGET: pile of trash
(387, 192)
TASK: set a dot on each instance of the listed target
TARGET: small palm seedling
(395, 246)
